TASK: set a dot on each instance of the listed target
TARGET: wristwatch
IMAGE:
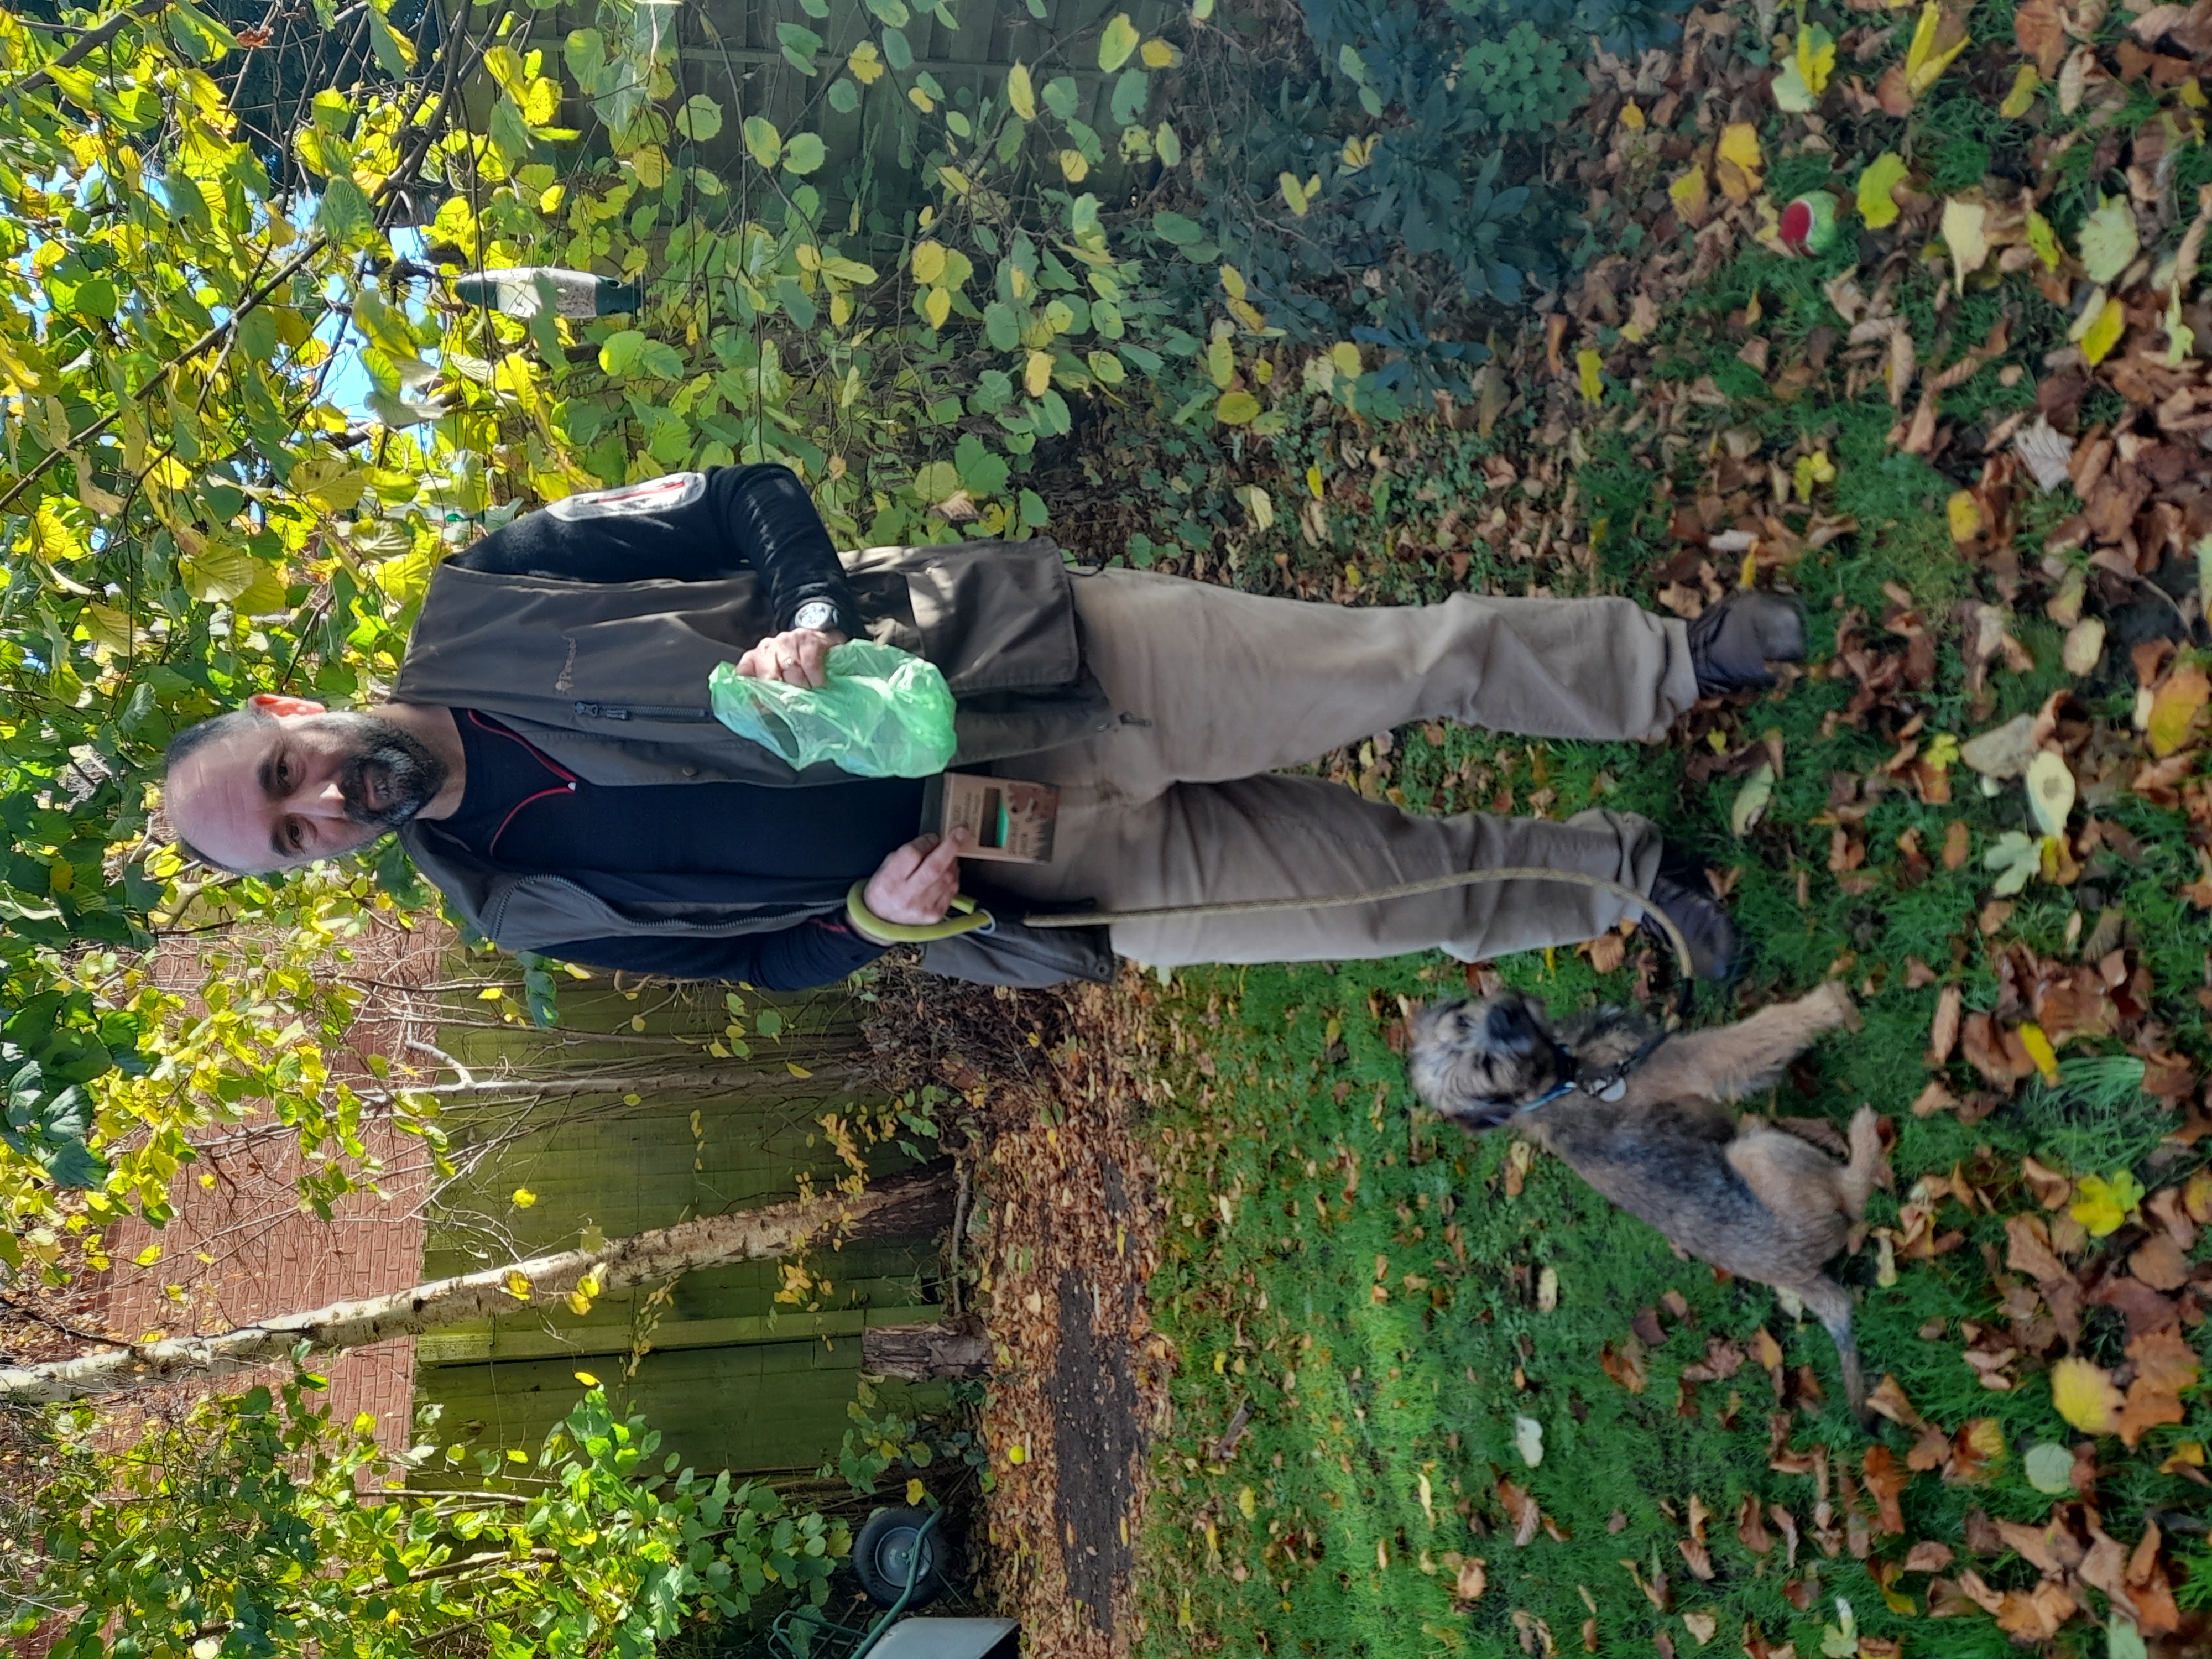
(818, 614)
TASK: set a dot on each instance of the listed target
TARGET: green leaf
(1129, 93)
(1117, 41)
(897, 52)
(1751, 801)
(700, 118)
(2108, 239)
(803, 152)
(844, 96)
(395, 52)
(660, 360)
(619, 352)
(1002, 326)
(799, 44)
(762, 141)
(890, 13)
(1175, 228)
(344, 214)
(2049, 1469)
(1061, 97)
(981, 473)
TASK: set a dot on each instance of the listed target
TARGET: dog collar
(1607, 1086)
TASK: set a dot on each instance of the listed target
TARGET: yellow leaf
(1232, 281)
(1964, 510)
(2084, 1395)
(937, 306)
(1248, 1503)
(1236, 409)
(517, 1286)
(1965, 227)
(1020, 93)
(149, 1256)
(1689, 197)
(1313, 481)
(1036, 374)
(1159, 54)
(1073, 166)
(796, 1069)
(929, 262)
(867, 64)
(1631, 116)
(1882, 175)
(1931, 52)
(1816, 58)
(1294, 193)
(2101, 1203)
(2106, 327)
(524, 1197)
(587, 1379)
(914, 1491)
(1740, 144)
(2040, 1050)
(2021, 98)
(2173, 708)
(1345, 356)
(1588, 363)
(1737, 160)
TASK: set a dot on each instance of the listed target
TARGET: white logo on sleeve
(662, 494)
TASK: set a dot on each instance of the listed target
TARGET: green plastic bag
(883, 712)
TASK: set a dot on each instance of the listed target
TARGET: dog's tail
(1832, 1304)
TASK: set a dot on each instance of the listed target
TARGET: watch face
(815, 613)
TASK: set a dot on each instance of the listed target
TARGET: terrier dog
(1643, 1118)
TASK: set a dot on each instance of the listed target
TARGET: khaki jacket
(610, 679)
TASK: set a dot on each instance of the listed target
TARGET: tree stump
(926, 1353)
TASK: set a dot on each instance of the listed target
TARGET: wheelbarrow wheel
(887, 1551)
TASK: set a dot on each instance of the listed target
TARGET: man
(549, 758)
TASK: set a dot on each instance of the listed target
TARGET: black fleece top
(524, 813)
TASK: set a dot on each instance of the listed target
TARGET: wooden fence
(607, 1123)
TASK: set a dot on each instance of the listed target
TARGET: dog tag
(1613, 1090)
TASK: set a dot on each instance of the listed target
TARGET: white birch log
(905, 1204)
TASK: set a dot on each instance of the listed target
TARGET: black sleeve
(746, 517)
(796, 958)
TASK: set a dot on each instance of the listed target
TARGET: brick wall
(242, 1247)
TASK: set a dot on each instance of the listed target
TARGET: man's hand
(917, 883)
(795, 658)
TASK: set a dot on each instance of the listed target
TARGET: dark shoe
(1682, 891)
(1731, 643)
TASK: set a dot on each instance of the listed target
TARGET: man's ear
(283, 707)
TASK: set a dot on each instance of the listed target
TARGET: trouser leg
(1276, 836)
(1212, 684)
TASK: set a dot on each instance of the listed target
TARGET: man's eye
(292, 835)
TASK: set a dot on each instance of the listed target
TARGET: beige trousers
(1179, 804)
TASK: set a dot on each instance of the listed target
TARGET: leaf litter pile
(1895, 311)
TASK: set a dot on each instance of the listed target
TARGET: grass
(1366, 1278)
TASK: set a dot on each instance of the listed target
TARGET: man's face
(303, 783)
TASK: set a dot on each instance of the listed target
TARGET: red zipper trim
(566, 787)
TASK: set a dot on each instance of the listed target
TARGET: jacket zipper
(495, 914)
(641, 711)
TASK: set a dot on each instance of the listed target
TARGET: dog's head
(1480, 1062)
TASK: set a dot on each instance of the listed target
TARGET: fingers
(798, 658)
(918, 882)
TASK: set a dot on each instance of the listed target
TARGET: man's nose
(328, 801)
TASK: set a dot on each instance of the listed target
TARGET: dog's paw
(1866, 1143)
(1836, 1005)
